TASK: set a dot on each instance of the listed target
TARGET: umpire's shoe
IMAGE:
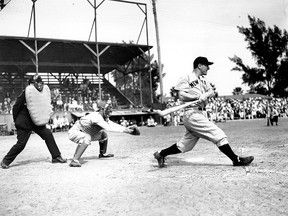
(105, 155)
(4, 166)
(160, 159)
(243, 161)
(59, 159)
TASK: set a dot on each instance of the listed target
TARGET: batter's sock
(226, 149)
(171, 150)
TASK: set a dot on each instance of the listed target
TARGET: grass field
(200, 182)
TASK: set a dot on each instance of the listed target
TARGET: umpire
(24, 125)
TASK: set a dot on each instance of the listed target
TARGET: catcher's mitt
(135, 130)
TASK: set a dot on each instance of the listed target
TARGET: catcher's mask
(106, 108)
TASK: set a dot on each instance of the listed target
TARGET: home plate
(194, 159)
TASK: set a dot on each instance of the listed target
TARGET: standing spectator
(114, 103)
(274, 114)
(167, 120)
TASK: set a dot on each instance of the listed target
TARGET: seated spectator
(50, 123)
(124, 122)
(94, 105)
(151, 122)
(57, 124)
(65, 122)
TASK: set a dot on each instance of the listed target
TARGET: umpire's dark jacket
(21, 114)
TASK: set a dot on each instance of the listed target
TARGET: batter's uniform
(194, 119)
(195, 86)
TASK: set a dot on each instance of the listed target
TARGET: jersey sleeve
(182, 84)
(106, 125)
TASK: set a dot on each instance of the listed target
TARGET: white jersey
(193, 85)
(94, 122)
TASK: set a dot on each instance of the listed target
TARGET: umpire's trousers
(22, 139)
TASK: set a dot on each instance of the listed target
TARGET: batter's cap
(201, 60)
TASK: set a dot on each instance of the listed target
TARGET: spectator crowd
(221, 109)
(217, 109)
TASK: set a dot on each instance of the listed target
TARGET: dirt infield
(200, 182)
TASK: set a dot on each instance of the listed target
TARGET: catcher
(93, 127)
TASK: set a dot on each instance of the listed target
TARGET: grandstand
(66, 64)
(62, 60)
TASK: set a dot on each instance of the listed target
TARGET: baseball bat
(174, 109)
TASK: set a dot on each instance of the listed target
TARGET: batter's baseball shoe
(75, 163)
(4, 166)
(106, 156)
(243, 161)
(160, 159)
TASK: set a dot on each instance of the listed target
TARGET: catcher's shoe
(160, 159)
(243, 161)
(75, 163)
(106, 155)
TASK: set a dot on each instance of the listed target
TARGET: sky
(187, 29)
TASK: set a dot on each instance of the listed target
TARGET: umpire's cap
(201, 60)
(34, 78)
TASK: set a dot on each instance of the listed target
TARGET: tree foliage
(237, 91)
(268, 46)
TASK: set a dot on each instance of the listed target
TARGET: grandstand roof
(54, 55)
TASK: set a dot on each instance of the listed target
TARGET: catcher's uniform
(90, 128)
(194, 119)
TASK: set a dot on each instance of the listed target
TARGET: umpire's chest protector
(38, 104)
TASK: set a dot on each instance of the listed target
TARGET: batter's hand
(214, 89)
(202, 98)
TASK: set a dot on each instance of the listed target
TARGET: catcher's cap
(104, 105)
(101, 104)
(201, 60)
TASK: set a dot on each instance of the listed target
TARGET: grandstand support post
(140, 87)
(158, 50)
(97, 51)
(33, 14)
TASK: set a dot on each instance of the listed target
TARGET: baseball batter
(93, 127)
(195, 87)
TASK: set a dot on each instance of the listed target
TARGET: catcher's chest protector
(38, 104)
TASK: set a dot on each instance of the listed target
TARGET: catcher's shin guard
(103, 146)
(103, 143)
